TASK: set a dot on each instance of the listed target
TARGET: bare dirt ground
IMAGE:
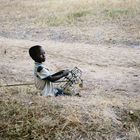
(113, 68)
(107, 52)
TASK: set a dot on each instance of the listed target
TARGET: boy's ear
(39, 68)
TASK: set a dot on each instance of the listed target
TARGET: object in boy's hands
(72, 82)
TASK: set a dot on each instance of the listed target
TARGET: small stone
(5, 52)
(135, 75)
(131, 112)
(30, 103)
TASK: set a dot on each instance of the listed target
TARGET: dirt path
(111, 68)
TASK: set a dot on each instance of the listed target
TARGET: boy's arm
(58, 73)
(57, 76)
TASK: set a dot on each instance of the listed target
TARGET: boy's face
(41, 55)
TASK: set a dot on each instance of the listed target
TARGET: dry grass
(29, 116)
(55, 13)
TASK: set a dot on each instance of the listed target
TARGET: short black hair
(34, 50)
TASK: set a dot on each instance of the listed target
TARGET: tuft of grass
(131, 123)
(76, 16)
(49, 21)
(25, 122)
(118, 13)
(59, 19)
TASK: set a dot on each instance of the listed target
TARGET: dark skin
(41, 58)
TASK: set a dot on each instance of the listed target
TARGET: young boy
(43, 78)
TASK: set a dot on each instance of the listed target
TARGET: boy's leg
(60, 92)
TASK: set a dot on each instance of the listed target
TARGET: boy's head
(37, 53)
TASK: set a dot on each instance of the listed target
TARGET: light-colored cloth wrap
(45, 86)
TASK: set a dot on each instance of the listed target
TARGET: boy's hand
(66, 72)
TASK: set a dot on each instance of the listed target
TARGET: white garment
(45, 86)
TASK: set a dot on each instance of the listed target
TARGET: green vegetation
(118, 13)
(59, 19)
